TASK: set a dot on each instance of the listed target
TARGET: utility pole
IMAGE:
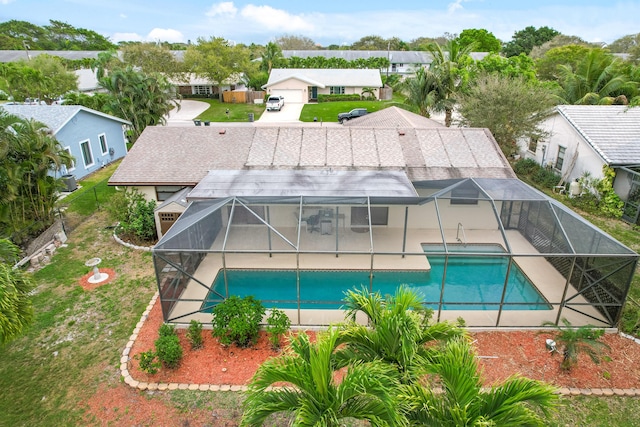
(26, 49)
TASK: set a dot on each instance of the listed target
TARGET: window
(87, 157)
(163, 192)
(560, 158)
(464, 196)
(73, 161)
(202, 90)
(360, 216)
(336, 90)
(533, 144)
(103, 143)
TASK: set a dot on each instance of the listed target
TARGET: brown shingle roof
(184, 155)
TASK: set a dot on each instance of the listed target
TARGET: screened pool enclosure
(495, 252)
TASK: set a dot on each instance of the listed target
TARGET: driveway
(289, 113)
(189, 109)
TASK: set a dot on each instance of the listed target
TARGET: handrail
(464, 236)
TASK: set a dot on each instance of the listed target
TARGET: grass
(92, 192)
(328, 111)
(237, 112)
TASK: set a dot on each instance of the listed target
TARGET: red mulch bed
(88, 286)
(501, 354)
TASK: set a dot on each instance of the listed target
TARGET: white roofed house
(301, 85)
(297, 214)
(584, 138)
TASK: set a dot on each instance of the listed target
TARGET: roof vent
(400, 132)
(222, 131)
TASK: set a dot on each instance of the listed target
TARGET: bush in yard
(168, 349)
(134, 213)
(149, 362)
(194, 334)
(237, 320)
(277, 324)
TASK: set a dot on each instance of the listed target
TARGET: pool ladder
(462, 240)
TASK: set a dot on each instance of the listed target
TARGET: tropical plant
(277, 324)
(399, 327)
(237, 320)
(271, 56)
(16, 311)
(134, 214)
(598, 78)
(464, 401)
(422, 91)
(311, 393)
(525, 40)
(450, 64)
(578, 340)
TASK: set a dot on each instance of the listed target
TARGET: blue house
(94, 139)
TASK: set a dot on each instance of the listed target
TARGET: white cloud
(5, 1)
(226, 8)
(456, 5)
(123, 16)
(275, 19)
(165, 35)
(125, 37)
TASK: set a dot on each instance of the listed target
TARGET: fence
(242, 96)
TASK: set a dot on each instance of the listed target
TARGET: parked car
(275, 103)
(356, 112)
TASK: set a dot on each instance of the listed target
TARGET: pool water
(472, 283)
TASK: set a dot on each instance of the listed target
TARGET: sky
(327, 21)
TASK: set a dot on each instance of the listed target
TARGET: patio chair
(313, 223)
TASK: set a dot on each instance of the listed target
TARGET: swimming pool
(472, 283)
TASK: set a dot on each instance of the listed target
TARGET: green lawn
(328, 111)
(217, 111)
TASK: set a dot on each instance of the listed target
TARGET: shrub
(169, 351)
(546, 178)
(237, 320)
(338, 98)
(525, 167)
(277, 324)
(134, 213)
(578, 340)
(167, 330)
(149, 362)
(194, 334)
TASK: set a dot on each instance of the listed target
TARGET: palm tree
(16, 311)
(272, 53)
(423, 91)
(449, 64)
(398, 331)
(311, 393)
(456, 396)
(578, 340)
(598, 79)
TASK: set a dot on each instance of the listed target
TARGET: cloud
(275, 19)
(5, 1)
(123, 16)
(456, 5)
(226, 8)
(125, 37)
(165, 35)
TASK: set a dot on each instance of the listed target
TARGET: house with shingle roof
(93, 138)
(584, 138)
(305, 84)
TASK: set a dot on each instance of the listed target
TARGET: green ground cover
(217, 111)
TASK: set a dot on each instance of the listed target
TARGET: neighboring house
(394, 117)
(93, 138)
(393, 200)
(195, 85)
(303, 85)
(584, 138)
(402, 62)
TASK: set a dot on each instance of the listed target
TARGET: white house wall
(565, 135)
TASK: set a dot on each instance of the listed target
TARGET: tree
(559, 41)
(216, 60)
(55, 36)
(311, 393)
(56, 79)
(569, 55)
(483, 40)
(27, 190)
(510, 107)
(371, 43)
(272, 55)
(465, 402)
(16, 310)
(598, 78)
(625, 44)
(514, 66)
(422, 91)
(525, 40)
(143, 99)
(295, 42)
(151, 58)
(452, 71)
(399, 327)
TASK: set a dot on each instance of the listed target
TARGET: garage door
(290, 95)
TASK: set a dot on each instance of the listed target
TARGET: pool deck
(543, 275)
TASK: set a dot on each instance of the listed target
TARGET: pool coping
(141, 385)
